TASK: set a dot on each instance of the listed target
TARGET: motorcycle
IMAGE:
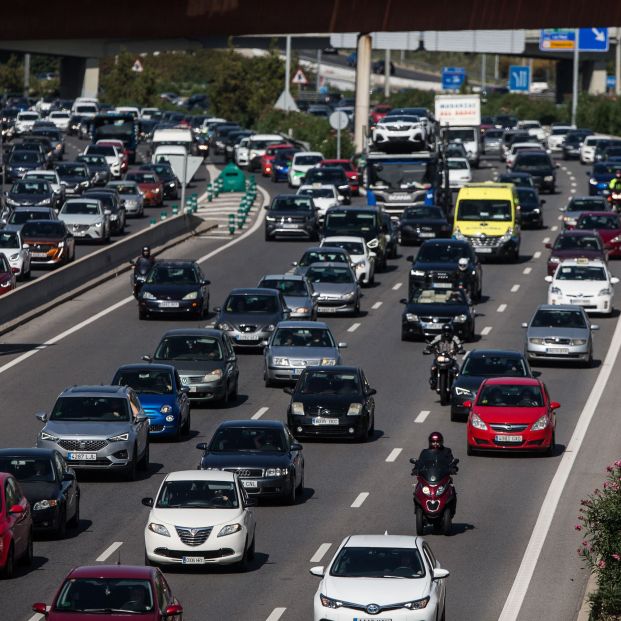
(139, 276)
(614, 199)
(446, 370)
(434, 495)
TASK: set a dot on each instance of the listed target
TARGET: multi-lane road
(350, 488)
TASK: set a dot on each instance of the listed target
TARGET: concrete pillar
(597, 79)
(90, 84)
(71, 76)
(363, 84)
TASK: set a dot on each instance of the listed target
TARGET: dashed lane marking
(353, 327)
(376, 305)
(276, 614)
(362, 496)
(486, 330)
(259, 413)
(515, 288)
(422, 416)
(397, 286)
(537, 254)
(546, 240)
(554, 228)
(502, 308)
(321, 552)
(109, 551)
(394, 454)
(527, 270)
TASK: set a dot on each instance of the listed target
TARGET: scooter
(614, 198)
(446, 371)
(434, 496)
(138, 277)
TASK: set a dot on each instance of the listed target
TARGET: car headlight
(270, 328)
(10, 201)
(276, 472)
(593, 181)
(270, 218)
(354, 409)
(507, 236)
(615, 240)
(165, 409)
(460, 318)
(348, 296)
(156, 191)
(44, 435)
(159, 529)
(536, 341)
(411, 317)
(328, 602)
(373, 243)
(224, 326)
(536, 210)
(548, 178)
(417, 604)
(301, 310)
(190, 296)
(554, 260)
(147, 295)
(213, 375)
(540, 424)
(45, 201)
(477, 423)
(328, 362)
(281, 362)
(578, 341)
(606, 291)
(462, 392)
(555, 291)
(14, 257)
(98, 224)
(569, 220)
(122, 437)
(44, 504)
(84, 184)
(297, 408)
(229, 529)
(418, 273)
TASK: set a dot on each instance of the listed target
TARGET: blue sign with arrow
(519, 78)
(593, 39)
(564, 39)
(453, 78)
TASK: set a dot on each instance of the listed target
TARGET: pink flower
(617, 557)
(602, 564)
(578, 527)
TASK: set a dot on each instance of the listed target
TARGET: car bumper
(417, 329)
(295, 230)
(152, 200)
(268, 487)
(531, 218)
(578, 353)
(45, 520)
(332, 307)
(49, 258)
(346, 427)
(600, 304)
(286, 374)
(91, 233)
(497, 251)
(159, 427)
(204, 391)
(412, 236)
(249, 339)
(133, 209)
(498, 441)
(113, 456)
(429, 613)
(154, 307)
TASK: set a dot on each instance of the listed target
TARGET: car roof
(519, 381)
(194, 331)
(584, 261)
(102, 390)
(326, 248)
(303, 324)
(112, 571)
(328, 264)
(579, 232)
(146, 366)
(200, 475)
(343, 238)
(558, 307)
(262, 423)
(495, 352)
(176, 263)
(339, 368)
(254, 291)
(27, 452)
(283, 277)
(14, 228)
(381, 541)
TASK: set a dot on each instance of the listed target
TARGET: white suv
(400, 129)
(300, 164)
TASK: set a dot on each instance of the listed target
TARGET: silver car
(297, 291)
(86, 219)
(295, 345)
(338, 289)
(561, 333)
(131, 197)
(98, 428)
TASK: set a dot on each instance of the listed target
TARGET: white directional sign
(299, 78)
(137, 66)
(176, 163)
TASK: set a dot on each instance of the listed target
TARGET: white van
(257, 146)
(85, 107)
(128, 110)
(587, 149)
(163, 151)
(470, 138)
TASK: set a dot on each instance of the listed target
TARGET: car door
(231, 368)
(438, 587)
(68, 486)
(19, 523)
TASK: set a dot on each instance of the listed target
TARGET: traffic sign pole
(574, 101)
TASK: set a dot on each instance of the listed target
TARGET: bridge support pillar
(363, 86)
(596, 74)
(79, 77)
(90, 83)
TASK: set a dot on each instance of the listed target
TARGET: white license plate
(319, 420)
(81, 456)
(289, 226)
(327, 309)
(442, 285)
(372, 619)
(557, 350)
(248, 483)
(426, 234)
(193, 388)
(247, 337)
(296, 371)
(193, 560)
(39, 255)
(484, 250)
(579, 302)
(167, 304)
(398, 197)
(505, 438)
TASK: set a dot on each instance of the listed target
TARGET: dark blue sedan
(600, 176)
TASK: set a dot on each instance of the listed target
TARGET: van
(487, 215)
(87, 108)
(173, 136)
(164, 151)
(470, 137)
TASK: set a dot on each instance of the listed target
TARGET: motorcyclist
(462, 275)
(445, 341)
(615, 182)
(144, 262)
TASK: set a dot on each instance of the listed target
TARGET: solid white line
(277, 612)
(321, 551)
(394, 454)
(422, 416)
(486, 330)
(259, 413)
(545, 240)
(36, 617)
(353, 327)
(362, 496)
(502, 308)
(537, 254)
(109, 551)
(527, 270)
(549, 505)
(554, 228)
(376, 305)
(397, 286)
(515, 288)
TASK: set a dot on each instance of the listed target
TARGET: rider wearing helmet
(145, 261)
(446, 341)
(436, 449)
(462, 277)
(615, 182)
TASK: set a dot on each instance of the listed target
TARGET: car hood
(72, 180)
(245, 459)
(29, 199)
(169, 291)
(330, 402)
(304, 353)
(149, 400)
(451, 310)
(509, 414)
(193, 367)
(471, 382)
(254, 319)
(149, 187)
(294, 301)
(80, 218)
(42, 240)
(380, 591)
(438, 266)
(419, 222)
(87, 428)
(289, 213)
(577, 253)
(332, 287)
(608, 234)
(487, 228)
(572, 333)
(85, 616)
(39, 490)
(194, 518)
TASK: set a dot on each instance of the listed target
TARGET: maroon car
(575, 244)
(607, 224)
(116, 591)
(8, 280)
(150, 185)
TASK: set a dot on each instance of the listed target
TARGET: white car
(363, 259)
(149, 113)
(587, 148)
(400, 129)
(241, 152)
(381, 578)
(583, 282)
(200, 517)
(112, 155)
(516, 147)
(86, 219)
(459, 172)
(557, 136)
(51, 176)
(534, 128)
(60, 118)
(324, 196)
(12, 247)
(25, 121)
(300, 164)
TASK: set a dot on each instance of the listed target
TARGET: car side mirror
(439, 573)
(317, 571)
(25, 246)
(202, 446)
(413, 461)
(147, 357)
(205, 282)
(555, 405)
(140, 418)
(562, 208)
(548, 278)
(403, 301)
(147, 502)
(372, 391)
(342, 345)
(594, 327)
(315, 294)
(107, 212)
(42, 416)
(267, 207)
(288, 390)
(217, 309)
(17, 509)
(614, 280)
(68, 476)
(524, 324)
(173, 610)
(294, 263)
(548, 245)
(542, 201)
(295, 446)
(467, 404)
(40, 608)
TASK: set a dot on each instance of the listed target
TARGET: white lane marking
(422, 416)
(394, 454)
(545, 240)
(564, 167)
(59, 337)
(109, 551)
(397, 286)
(573, 184)
(554, 228)
(537, 254)
(527, 270)
(360, 498)
(259, 413)
(321, 552)
(353, 327)
(36, 617)
(486, 330)
(538, 536)
(502, 308)
(276, 614)
(515, 288)
(573, 190)
(376, 305)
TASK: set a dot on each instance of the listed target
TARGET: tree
(120, 85)
(12, 75)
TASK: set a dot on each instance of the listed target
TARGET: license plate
(426, 234)
(193, 388)
(81, 456)
(504, 438)
(290, 226)
(193, 560)
(249, 483)
(578, 302)
(39, 255)
(484, 250)
(247, 337)
(167, 304)
(327, 309)
(399, 197)
(372, 619)
(442, 285)
(319, 420)
(296, 371)
(557, 350)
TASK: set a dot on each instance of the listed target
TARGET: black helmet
(447, 331)
(436, 440)
(146, 251)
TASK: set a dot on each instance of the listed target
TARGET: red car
(150, 185)
(351, 173)
(269, 155)
(15, 526)
(607, 224)
(119, 591)
(379, 112)
(8, 280)
(575, 244)
(511, 414)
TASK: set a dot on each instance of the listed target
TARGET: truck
(459, 117)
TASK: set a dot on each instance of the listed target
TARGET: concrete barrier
(35, 297)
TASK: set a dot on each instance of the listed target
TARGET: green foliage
(525, 107)
(12, 75)
(119, 85)
(412, 99)
(600, 113)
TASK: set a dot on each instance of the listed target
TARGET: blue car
(600, 176)
(162, 396)
(280, 168)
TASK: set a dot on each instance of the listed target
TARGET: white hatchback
(300, 164)
(459, 172)
(324, 196)
(363, 259)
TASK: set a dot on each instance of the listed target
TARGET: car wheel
(235, 390)
(454, 416)
(357, 308)
(61, 530)
(420, 521)
(250, 552)
(300, 488)
(552, 448)
(242, 565)
(268, 382)
(267, 237)
(470, 451)
(74, 522)
(130, 469)
(187, 425)
(9, 567)
(447, 522)
(291, 497)
(142, 315)
(371, 431)
(143, 464)
(148, 562)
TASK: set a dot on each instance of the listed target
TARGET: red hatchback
(150, 185)
(607, 224)
(113, 591)
(511, 414)
(575, 244)
(8, 279)
(270, 153)
(353, 178)
(15, 526)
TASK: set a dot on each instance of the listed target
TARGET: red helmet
(436, 440)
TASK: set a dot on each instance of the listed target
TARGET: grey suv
(98, 428)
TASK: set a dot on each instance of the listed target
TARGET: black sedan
(98, 165)
(165, 174)
(330, 175)
(263, 453)
(292, 215)
(531, 212)
(428, 309)
(49, 485)
(540, 166)
(31, 192)
(479, 364)
(21, 162)
(334, 402)
(109, 198)
(174, 287)
(421, 222)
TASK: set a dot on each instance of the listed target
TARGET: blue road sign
(564, 39)
(611, 82)
(593, 39)
(453, 78)
(519, 78)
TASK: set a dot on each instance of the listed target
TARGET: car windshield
(105, 596)
(303, 337)
(575, 242)
(24, 157)
(317, 192)
(332, 275)
(558, 319)
(581, 272)
(43, 229)
(254, 439)
(19, 216)
(146, 381)
(325, 175)
(189, 347)
(610, 223)
(346, 222)
(291, 203)
(532, 161)
(517, 180)
(71, 208)
(255, 303)
(30, 187)
(494, 365)
(26, 469)
(423, 212)
(494, 134)
(480, 210)
(586, 204)
(288, 286)
(528, 197)
(323, 256)
(197, 495)
(8, 239)
(351, 247)
(93, 409)
(172, 275)
(508, 395)
(104, 150)
(326, 383)
(72, 170)
(47, 175)
(439, 296)
(142, 177)
(465, 135)
(307, 160)
(442, 253)
(380, 562)
(125, 188)
(560, 131)
(97, 160)
(457, 163)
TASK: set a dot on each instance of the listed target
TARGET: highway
(350, 488)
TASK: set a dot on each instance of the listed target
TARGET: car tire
(251, 549)
(551, 450)
(28, 274)
(267, 237)
(357, 308)
(470, 451)
(187, 426)
(291, 497)
(242, 565)
(130, 469)
(420, 521)
(74, 522)
(447, 522)
(61, 530)
(143, 464)
(9, 567)
(371, 431)
(142, 315)
(300, 488)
